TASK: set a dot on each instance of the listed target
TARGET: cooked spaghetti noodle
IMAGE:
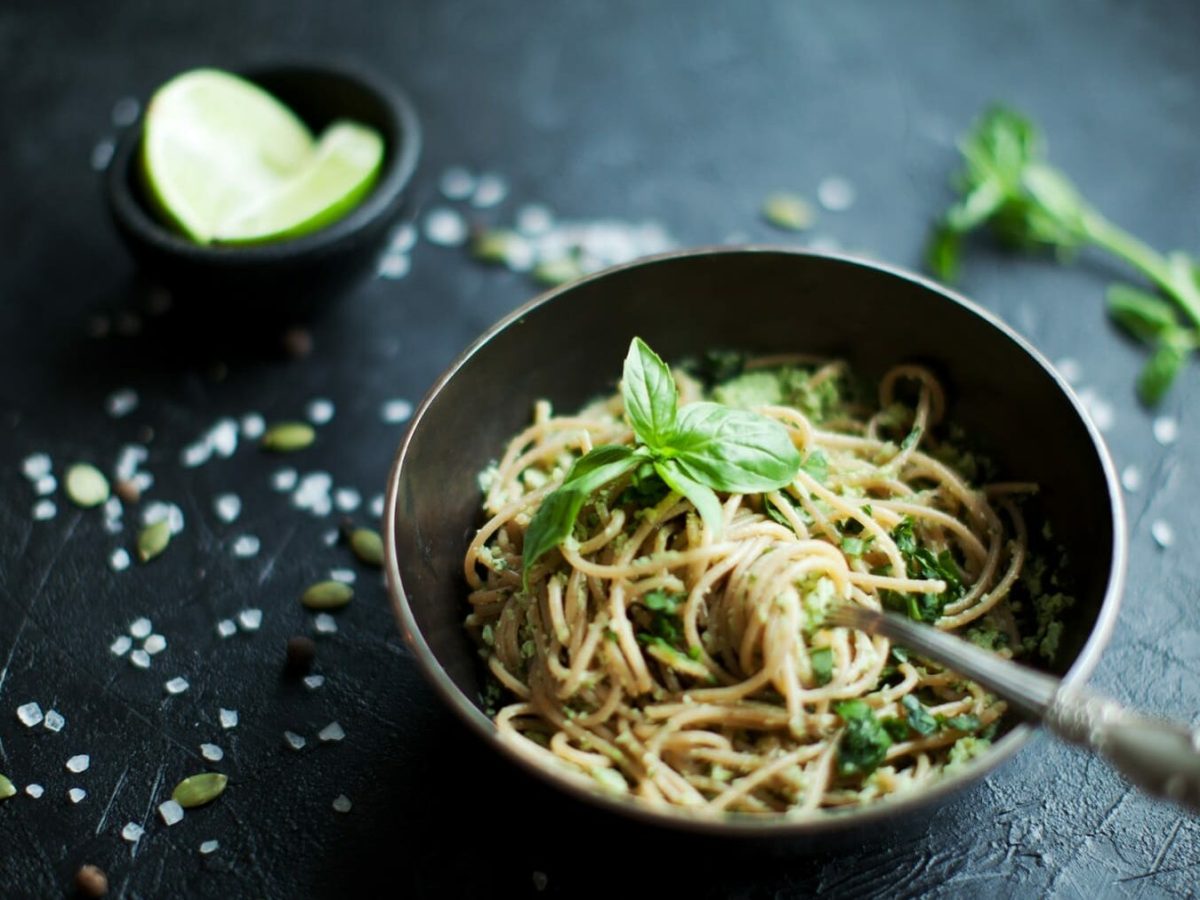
(693, 669)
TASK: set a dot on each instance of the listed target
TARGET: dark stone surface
(685, 112)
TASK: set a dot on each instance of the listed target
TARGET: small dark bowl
(289, 279)
(568, 344)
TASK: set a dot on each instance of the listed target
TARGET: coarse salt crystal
(330, 537)
(226, 628)
(341, 803)
(132, 832)
(212, 752)
(1069, 368)
(250, 619)
(160, 510)
(141, 628)
(312, 682)
(54, 721)
(534, 219)
(223, 437)
(119, 559)
(120, 646)
(396, 411)
(253, 426)
(836, 194)
(246, 545)
(125, 112)
(1131, 478)
(1166, 430)
(35, 465)
(121, 403)
(490, 191)
(176, 685)
(228, 717)
(332, 732)
(44, 510)
(1163, 533)
(171, 812)
(345, 576)
(293, 740)
(209, 847)
(194, 455)
(30, 714)
(445, 227)
(404, 238)
(228, 507)
(45, 485)
(79, 763)
(76, 794)
(102, 154)
(377, 505)
(394, 266)
(320, 411)
(284, 479)
(35, 790)
(140, 658)
(325, 624)
(347, 499)
(456, 183)
(155, 644)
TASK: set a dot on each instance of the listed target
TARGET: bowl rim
(397, 173)
(814, 825)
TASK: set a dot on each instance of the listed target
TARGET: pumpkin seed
(788, 212)
(86, 485)
(367, 546)
(287, 437)
(6, 788)
(327, 595)
(199, 789)
(153, 540)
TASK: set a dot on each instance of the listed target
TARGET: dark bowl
(291, 278)
(568, 344)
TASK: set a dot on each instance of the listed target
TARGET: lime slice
(214, 145)
(340, 173)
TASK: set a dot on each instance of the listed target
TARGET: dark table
(684, 113)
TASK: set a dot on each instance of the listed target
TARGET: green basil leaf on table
(1142, 314)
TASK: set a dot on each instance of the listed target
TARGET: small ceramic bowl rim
(773, 826)
(397, 172)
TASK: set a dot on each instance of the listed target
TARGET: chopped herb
(964, 750)
(910, 439)
(856, 546)
(919, 718)
(864, 743)
(897, 729)
(923, 563)
(900, 654)
(822, 664)
(965, 722)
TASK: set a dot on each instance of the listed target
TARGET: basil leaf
(733, 449)
(1142, 314)
(919, 718)
(816, 464)
(554, 519)
(650, 396)
(1161, 369)
(701, 495)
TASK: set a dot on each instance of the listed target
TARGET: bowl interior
(568, 348)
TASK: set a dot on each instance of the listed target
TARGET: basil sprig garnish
(698, 451)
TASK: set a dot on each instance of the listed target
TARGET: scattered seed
(396, 411)
(228, 717)
(445, 227)
(29, 714)
(176, 685)
(141, 627)
(312, 682)
(297, 343)
(127, 490)
(36, 465)
(197, 790)
(367, 546)
(153, 540)
(246, 546)
(1163, 533)
(347, 499)
(140, 658)
(490, 190)
(35, 791)
(54, 721)
(90, 881)
(341, 803)
(6, 788)
(344, 576)
(1166, 430)
(44, 510)
(155, 644)
(456, 183)
(253, 426)
(332, 732)
(836, 194)
(287, 437)
(212, 752)
(171, 812)
(394, 266)
(226, 628)
(120, 646)
(76, 794)
(132, 832)
(250, 619)
(86, 485)
(325, 624)
(228, 507)
(327, 595)
(293, 740)
(320, 411)
(209, 847)
(45, 485)
(79, 763)
(300, 653)
(121, 403)
(789, 212)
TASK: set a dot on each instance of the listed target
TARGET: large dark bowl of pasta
(641, 624)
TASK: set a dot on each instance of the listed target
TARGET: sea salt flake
(223, 437)
(102, 154)
(325, 624)
(176, 685)
(490, 190)
(125, 112)
(226, 628)
(1166, 430)
(212, 752)
(534, 219)
(128, 460)
(143, 481)
(403, 238)
(293, 740)
(332, 732)
(119, 559)
(320, 411)
(160, 510)
(79, 763)
(44, 510)
(140, 658)
(121, 403)
(347, 499)
(394, 266)
(345, 576)
(35, 790)
(35, 465)
(1131, 478)
(76, 794)
(341, 803)
(141, 628)
(253, 426)
(284, 479)
(245, 546)
(228, 507)
(250, 619)
(54, 721)
(30, 714)
(456, 183)
(836, 194)
(330, 537)
(445, 227)
(396, 411)
(194, 455)
(228, 717)
(132, 832)
(171, 812)
(312, 682)
(155, 644)
(1163, 533)
(120, 646)
(377, 505)
(45, 485)
(209, 847)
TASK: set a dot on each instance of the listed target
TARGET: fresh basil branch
(696, 451)
(1007, 186)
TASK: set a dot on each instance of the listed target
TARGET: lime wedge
(341, 171)
(215, 144)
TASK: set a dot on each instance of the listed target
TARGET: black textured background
(685, 112)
